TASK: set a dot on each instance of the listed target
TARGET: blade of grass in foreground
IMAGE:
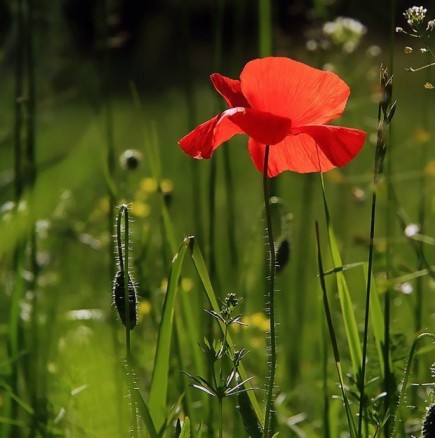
(350, 324)
(159, 380)
(350, 422)
(143, 410)
(378, 324)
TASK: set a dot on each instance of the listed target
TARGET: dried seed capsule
(119, 299)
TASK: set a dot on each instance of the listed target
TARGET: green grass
(79, 377)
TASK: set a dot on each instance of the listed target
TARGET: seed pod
(429, 423)
(119, 299)
(282, 252)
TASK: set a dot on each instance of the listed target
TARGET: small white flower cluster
(345, 32)
(415, 15)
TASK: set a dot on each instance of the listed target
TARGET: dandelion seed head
(411, 230)
(406, 288)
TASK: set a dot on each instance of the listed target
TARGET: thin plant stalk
(188, 81)
(270, 297)
(385, 114)
(29, 58)
(221, 423)
(218, 32)
(423, 159)
(265, 27)
(230, 210)
(361, 377)
(326, 395)
(10, 406)
(108, 119)
(389, 377)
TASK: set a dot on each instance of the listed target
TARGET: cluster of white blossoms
(345, 32)
(416, 19)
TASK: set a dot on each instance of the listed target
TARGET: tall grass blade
(185, 431)
(159, 381)
(350, 325)
(333, 337)
(378, 323)
(144, 412)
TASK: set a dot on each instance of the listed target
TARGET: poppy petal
(263, 127)
(294, 90)
(318, 149)
(338, 143)
(230, 90)
(205, 138)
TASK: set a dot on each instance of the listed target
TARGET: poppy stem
(270, 297)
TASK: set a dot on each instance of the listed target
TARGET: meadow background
(85, 83)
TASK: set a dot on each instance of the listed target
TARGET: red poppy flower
(284, 104)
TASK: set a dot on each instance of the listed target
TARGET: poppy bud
(119, 299)
(429, 423)
(282, 253)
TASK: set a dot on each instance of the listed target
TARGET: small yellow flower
(421, 136)
(257, 320)
(187, 284)
(139, 209)
(144, 308)
(429, 169)
(148, 185)
(166, 185)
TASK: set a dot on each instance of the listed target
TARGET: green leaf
(144, 412)
(159, 380)
(350, 325)
(377, 320)
(185, 431)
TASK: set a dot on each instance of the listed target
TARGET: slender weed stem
(265, 27)
(270, 297)
(386, 112)
(361, 377)
(389, 376)
(30, 157)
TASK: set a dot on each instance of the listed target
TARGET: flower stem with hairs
(270, 297)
